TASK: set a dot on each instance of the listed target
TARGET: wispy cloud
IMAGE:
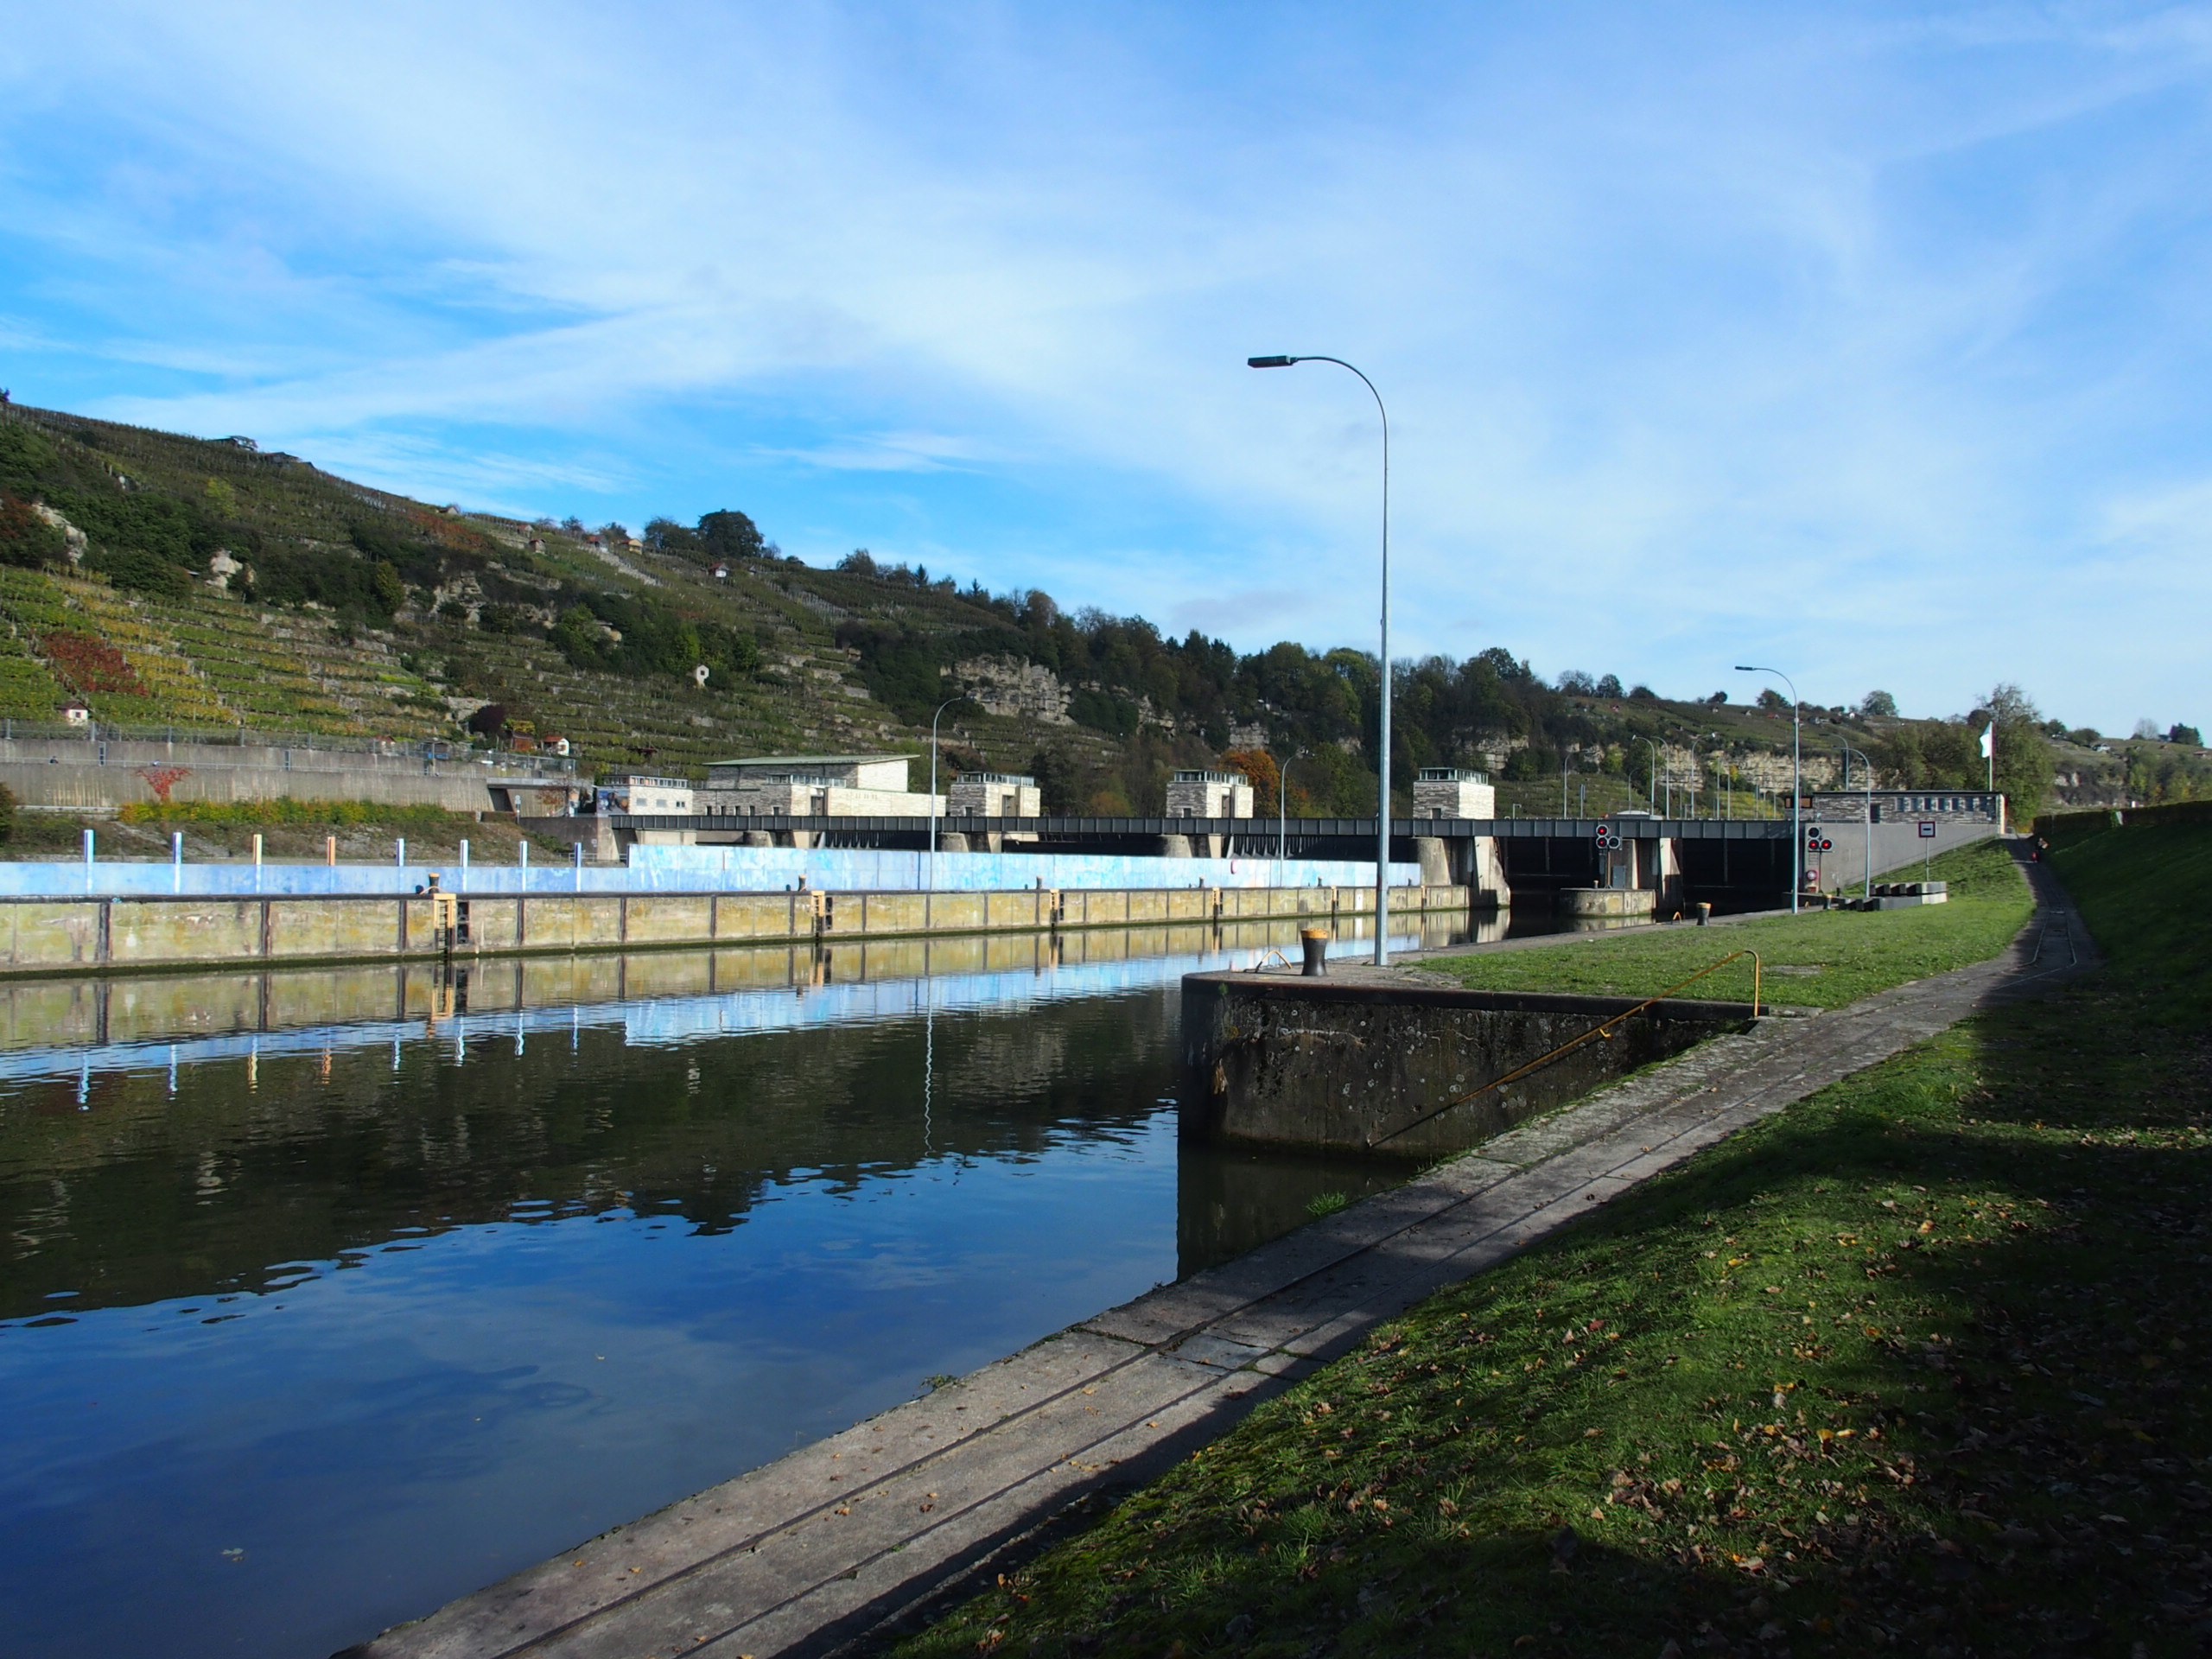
(1825, 329)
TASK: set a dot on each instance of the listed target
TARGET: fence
(133, 746)
(679, 869)
(2071, 826)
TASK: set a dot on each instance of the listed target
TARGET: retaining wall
(1341, 1067)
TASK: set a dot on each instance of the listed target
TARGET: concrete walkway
(819, 1550)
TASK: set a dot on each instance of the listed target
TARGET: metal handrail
(1603, 1028)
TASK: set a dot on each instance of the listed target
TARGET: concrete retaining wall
(98, 774)
(1309, 1063)
(94, 788)
(1896, 846)
(52, 935)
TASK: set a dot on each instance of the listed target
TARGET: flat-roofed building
(636, 792)
(1450, 792)
(993, 795)
(1196, 794)
(815, 786)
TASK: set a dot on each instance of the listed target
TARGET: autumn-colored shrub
(90, 665)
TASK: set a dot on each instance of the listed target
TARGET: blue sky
(1867, 340)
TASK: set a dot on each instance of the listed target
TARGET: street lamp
(1868, 765)
(1796, 780)
(941, 708)
(1382, 806)
(1654, 748)
(1282, 815)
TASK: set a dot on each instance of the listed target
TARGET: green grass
(1828, 957)
(1916, 1364)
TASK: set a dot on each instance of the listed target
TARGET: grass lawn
(1917, 1364)
(1819, 959)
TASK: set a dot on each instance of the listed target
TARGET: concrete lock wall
(51, 1027)
(1305, 1063)
(59, 935)
(776, 867)
(1898, 846)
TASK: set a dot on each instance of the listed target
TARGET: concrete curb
(813, 1552)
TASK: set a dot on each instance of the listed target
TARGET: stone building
(1450, 792)
(815, 786)
(993, 795)
(1195, 794)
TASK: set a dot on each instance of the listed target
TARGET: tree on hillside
(1266, 777)
(728, 534)
(2023, 761)
(666, 536)
(1877, 705)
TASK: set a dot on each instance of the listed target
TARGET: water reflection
(328, 1295)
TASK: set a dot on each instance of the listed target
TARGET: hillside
(204, 585)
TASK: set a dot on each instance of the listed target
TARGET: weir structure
(1737, 863)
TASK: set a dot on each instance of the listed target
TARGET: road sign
(1927, 831)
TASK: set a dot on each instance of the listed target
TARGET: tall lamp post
(1796, 780)
(1382, 806)
(1866, 765)
(1654, 748)
(941, 708)
(1282, 814)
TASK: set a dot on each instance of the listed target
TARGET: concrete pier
(1384, 1065)
(1631, 904)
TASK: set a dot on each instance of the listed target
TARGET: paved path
(816, 1550)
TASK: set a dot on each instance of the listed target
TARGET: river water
(327, 1296)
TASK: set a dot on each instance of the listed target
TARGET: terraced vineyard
(167, 581)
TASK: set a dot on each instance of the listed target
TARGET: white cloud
(1780, 326)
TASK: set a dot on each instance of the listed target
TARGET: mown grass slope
(1818, 959)
(1917, 1366)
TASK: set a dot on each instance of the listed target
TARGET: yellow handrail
(1603, 1028)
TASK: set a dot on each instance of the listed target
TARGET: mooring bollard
(1704, 911)
(1316, 942)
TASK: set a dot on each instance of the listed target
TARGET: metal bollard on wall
(1316, 943)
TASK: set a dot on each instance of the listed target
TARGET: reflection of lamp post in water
(929, 1048)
